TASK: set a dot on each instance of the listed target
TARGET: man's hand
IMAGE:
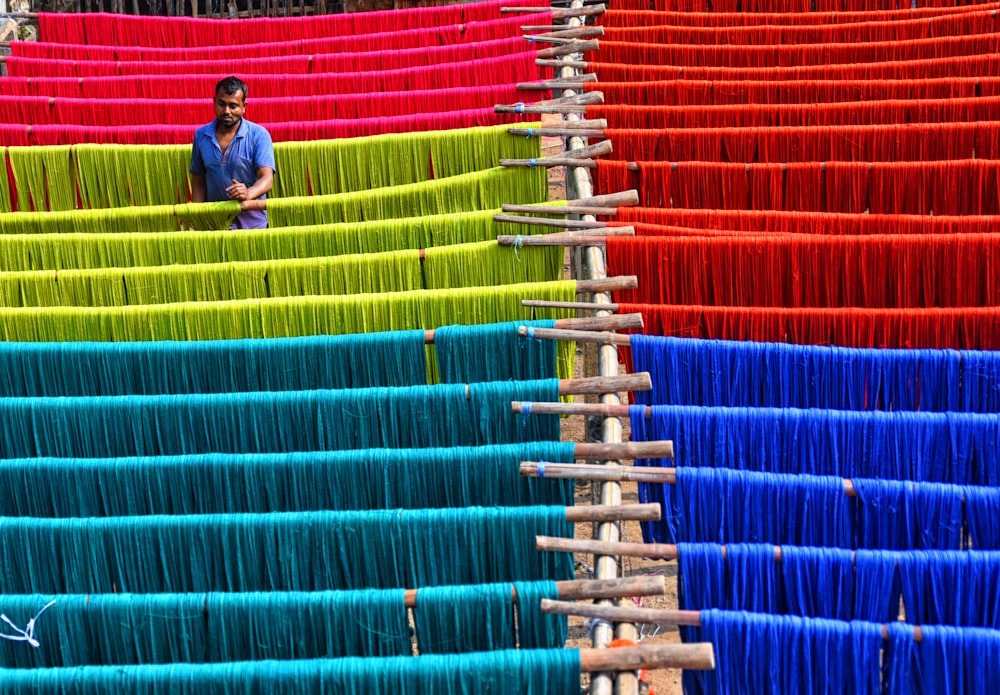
(238, 191)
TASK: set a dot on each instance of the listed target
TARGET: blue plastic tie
(541, 469)
(525, 413)
(532, 162)
(519, 107)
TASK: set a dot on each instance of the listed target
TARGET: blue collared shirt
(250, 149)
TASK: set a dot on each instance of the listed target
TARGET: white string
(28, 633)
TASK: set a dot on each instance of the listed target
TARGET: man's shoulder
(256, 131)
(205, 130)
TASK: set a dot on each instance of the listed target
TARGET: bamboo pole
(614, 451)
(546, 304)
(620, 282)
(582, 589)
(622, 199)
(613, 512)
(691, 657)
(549, 162)
(605, 338)
(653, 551)
(552, 222)
(639, 381)
(569, 49)
(579, 471)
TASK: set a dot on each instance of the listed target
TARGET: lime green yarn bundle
(394, 271)
(159, 218)
(482, 190)
(487, 264)
(44, 177)
(124, 175)
(324, 167)
(20, 252)
(285, 317)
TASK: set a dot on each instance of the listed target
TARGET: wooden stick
(604, 338)
(583, 589)
(586, 236)
(639, 381)
(605, 451)
(564, 36)
(653, 551)
(612, 284)
(589, 11)
(556, 132)
(552, 222)
(569, 239)
(597, 409)
(561, 210)
(602, 323)
(547, 63)
(690, 657)
(626, 614)
(546, 304)
(598, 149)
(569, 49)
(543, 85)
(622, 199)
(549, 162)
(622, 614)
(580, 99)
(613, 512)
(573, 84)
(574, 590)
(544, 108)
(579, 471)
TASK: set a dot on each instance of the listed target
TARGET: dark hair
(232, 85)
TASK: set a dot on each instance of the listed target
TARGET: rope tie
(28, 633)
(518, 243)
(541, 469)
(525, 413)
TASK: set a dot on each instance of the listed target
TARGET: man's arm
(199, 189)
(265, 179)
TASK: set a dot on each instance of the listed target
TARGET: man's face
(229, 108)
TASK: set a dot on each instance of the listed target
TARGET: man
(232, 158)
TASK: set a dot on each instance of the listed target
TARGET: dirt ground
(666, 682)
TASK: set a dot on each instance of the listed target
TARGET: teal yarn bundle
(295, 551)
(484, 476)
(521, 672)
(417, 416)
(357, 360)
(80, 630)
(362, 360)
